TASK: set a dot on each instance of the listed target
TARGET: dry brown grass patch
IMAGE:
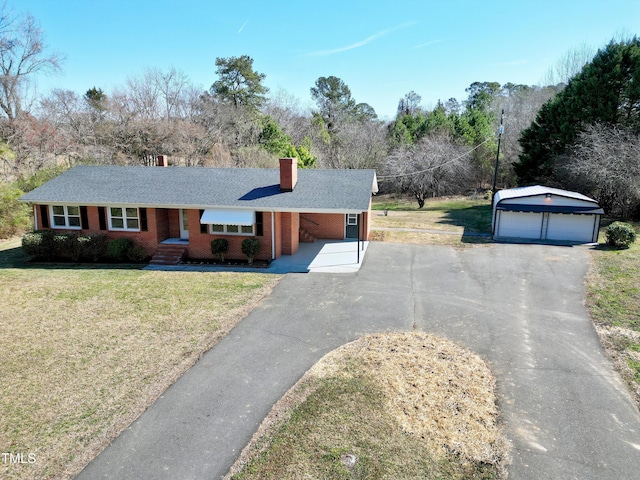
(437, 391)
(433, 394)
(623, 349)
(427, 238)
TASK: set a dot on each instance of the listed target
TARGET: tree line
(587, 137)
(450, 148)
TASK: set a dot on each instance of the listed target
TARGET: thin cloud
(243, 25)
(428, 44)
(362, 43)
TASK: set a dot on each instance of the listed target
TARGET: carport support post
(358, 245)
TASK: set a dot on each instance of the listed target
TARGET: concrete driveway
(519, 306)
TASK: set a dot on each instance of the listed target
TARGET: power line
(437, 166)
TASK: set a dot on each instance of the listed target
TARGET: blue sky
(380, 49)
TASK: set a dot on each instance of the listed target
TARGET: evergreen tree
(607, 91)
(239, 84)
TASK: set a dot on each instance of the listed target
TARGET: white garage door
(576, 228)
(520, 224)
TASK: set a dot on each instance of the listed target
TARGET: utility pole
(495, 171)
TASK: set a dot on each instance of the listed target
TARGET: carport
(545, 213)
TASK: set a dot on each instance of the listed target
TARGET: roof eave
(258, 208)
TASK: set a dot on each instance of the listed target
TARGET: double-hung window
(124, 218)
(65, 216)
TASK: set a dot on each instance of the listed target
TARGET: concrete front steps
(168, 254)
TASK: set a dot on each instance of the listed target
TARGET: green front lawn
(85, 350)
(454, 221)
(613, 299)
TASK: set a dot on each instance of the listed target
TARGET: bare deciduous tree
(570, 64)
(605, 164)
(358, 145)
(173, 86)
(521, 104)
(189, 141)
(435, 166)
(65, 112)
(409, 104)
(143, 96)
(22, 55)
(285, 109)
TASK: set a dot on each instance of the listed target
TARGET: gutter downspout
(273, 236)
(35, 217)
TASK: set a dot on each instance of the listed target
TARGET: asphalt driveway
(519, 306)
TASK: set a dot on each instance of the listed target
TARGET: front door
(184, 225)
(351, 225)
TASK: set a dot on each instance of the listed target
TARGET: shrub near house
(250, 247)
(219, 247)
(93, 247)
(620, 235)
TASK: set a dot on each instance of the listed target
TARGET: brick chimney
(163, 161)
(288, 174)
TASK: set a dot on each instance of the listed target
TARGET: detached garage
(543, 213)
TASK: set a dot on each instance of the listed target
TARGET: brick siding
(278, 236)
(331, 226)
(200, 243)
(290, 232)
(157, 228)
(163, 223)
(328, 226)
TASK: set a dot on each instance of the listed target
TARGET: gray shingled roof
(345, 191)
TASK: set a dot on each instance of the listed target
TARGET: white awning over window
(228, 217)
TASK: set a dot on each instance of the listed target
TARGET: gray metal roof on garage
(198, 187)
(538, 190)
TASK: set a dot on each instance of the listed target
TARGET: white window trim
(124, 219)
(66, 215)
(239, 233)
(352, 219)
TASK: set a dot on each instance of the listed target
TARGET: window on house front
(65, 216)
(124, 218)
(219, 229)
